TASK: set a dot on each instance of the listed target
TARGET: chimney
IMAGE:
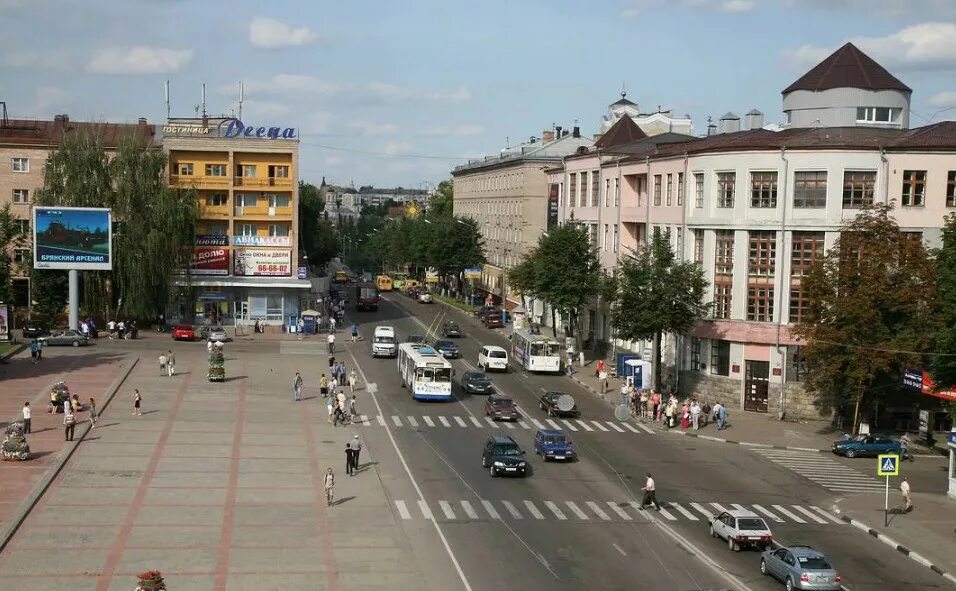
(576, 132)
(142, 120)
(547, 136)
(557, 132)
(729, 123)
(711, 128)
(754, 119)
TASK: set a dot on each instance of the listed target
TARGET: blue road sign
(889, 465)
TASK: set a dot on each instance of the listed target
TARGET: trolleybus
(535, 351)
(424, 372)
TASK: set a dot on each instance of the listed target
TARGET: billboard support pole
(74, 299)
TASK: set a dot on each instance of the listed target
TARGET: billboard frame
(67, 265)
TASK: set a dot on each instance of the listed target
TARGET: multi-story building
(660, 121)
(507, 195)
(246, 266)
(24, 148)
(755, 209)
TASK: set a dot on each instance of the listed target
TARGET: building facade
(246, 265)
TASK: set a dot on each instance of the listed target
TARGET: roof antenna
(240, 100)
(623, 90)
(204, 100)
(167, 99)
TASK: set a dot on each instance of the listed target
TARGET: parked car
(448, 349)
(503, 455)
(741, 529)
(424, 297)
(500, 408)
(476, 382)
(553, 444)
(800, 567)
(492, 357)
(183, 332)
(73, 338)
(451, 329)
(548, 402)
(216, 334)
(492, 321)
(485, 311)
(867, 445)
(33, 331)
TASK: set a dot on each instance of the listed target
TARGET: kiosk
(951, 444)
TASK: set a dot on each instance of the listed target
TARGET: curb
(898, 547)
(26, 506)
(13, 351)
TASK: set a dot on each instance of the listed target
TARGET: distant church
(661, 121)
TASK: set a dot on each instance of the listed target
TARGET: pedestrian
(27, 417)
(650, 493)
(162, 364)
(340, 398)
(93, 413)
(297, 386)
(69, 424)
(354, 332)
(720, 413)
(329, 487)
(348, 458)
(209, 347)
(171, 363)
(352, 411)
(330, 404)
(331, 340)
(332, 325)
(356, 450)
(907, 501)
(35, 351)
(121, 329)
(625, 391)
(331, 363)
(353, 379)
(111, 327)
(324, 385)
(695, 414)
(581, 358)
(137, 402)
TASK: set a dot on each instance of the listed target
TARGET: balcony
(178, 180)
(246, 181)
(263, 211)
(212, 211)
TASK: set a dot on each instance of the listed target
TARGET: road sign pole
(886, 504)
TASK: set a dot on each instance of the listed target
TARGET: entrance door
(757, 386)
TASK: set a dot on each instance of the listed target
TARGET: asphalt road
(573, 526)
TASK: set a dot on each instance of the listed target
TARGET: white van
(492, 357)
(383, 343)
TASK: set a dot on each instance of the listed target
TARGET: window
(914, 188)
(23, 226)
(593, 234)
(876, 114)
(763, 189)
(246, 229)
(21, 256)
(217, 200)
(722, 299)
(246, 199)
(698, 189)
(698, 246)
(725, 188)
(279, 172)
(760, 303)
(858, 188)
(799, 303)
(278, 229)
(723, 273)
(617, 192)
(796, 364)
(695, 361)
(184, 168)
(215, 170)
(607, 232)
(572, 189)
(760, 270)
(595, 187)
(641, 189)
(807, 249)
(810, 189)
(617, 239)
(278, 200)
(680, 189)
(670, 188)
(763, 253)
(657, 189)
(20, 164)
(247, 170)
(951, 189)
(21, 195)
(607, 192)
(720, 357)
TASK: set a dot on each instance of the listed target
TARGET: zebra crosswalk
(527, 423)
(823, 470)
(601, 511)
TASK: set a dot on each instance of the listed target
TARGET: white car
(492, 357)
(383, 342)
(217, 334)
(741, 528)
(424, 298)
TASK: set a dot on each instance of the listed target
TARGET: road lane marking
(537, 423)
(643, 428)
(403, 510)
(614, 426)
(512, 509)
(620, 512)
(381, 420)
(827, 514)
(428, 421)
(460, 422)
(630, 427)
(365, 420)
(769, 514)
(667, 514)
(554, 509)
(684, 512)
(598, 510)
(719, 507)
(700, 508)
(568, 424)
(553, 425)
(490, 509)
(446, 509)
(469, 510)
(425, 509)
(533, 510)
(600, 426)
(492, 422)
(412, 422)
(524, 425)
(809, 514)
(396, 420)
(444, 422)
(475, 421)
(577, 511)
(781, 509)
(509, 425)
(618, 548)
(584, 425)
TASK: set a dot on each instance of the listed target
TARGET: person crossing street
(297, 387)
(331, 343)
(907, 500)
(650, 493)
(329, 487)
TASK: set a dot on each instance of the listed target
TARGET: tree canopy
(12, 236)
(944, 362)
(314, 229)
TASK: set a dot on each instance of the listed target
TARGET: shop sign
(185, 129)
(473, 273)
(920, 381)
(212, 240)
(4, 323)
(303, 272)
(209, 261)
(252, 262)
(261, 240)
(212, 296)
(234, 128)
(552, 205)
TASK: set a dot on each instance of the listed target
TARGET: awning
(310, 312)
(266, 282)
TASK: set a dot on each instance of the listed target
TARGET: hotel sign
(228, 128)
(185, 129)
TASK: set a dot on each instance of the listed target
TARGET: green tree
(871, 299)
(944, 363)
(441, 202)
(49, 291)
(326, 244)
(11, 236)
(311, 207)
(653, 294)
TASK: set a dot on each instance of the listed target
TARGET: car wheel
(850, 453)
(733, 545)
(763, 567)
(713, 532)
(493, 473)
(789, 584)
(76, 343)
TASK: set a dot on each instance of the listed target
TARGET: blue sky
(397, 93)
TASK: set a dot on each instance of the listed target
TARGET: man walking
(69, 424)
(695, 414)
(162, 364)
(331, 343)
(907, 501)
(354, 332)
(297, 386)
(650, 493)
(27, 417)
(171, 363)
(349, 455)
(331, 324)
(35, 351)
(356, 450)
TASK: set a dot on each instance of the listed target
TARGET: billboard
(212, 240)
(257, 262)
(209, 261)
(72, 238)
(4, 323)
(920, 381)
(553, 205)
(473, 273)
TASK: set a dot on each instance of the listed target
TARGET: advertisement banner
(920, 381)
(212, 240)
(261, 241)
(72, 238)
(4, 323)
(209, 261)
(251, 262)
(552, 205)
(473, 273)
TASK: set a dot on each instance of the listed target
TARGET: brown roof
(44, 134)
(940, 135)
(624, 131)
(847, 67)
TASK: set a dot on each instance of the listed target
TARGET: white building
(660, 121)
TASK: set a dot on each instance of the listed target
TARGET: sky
(398, 93)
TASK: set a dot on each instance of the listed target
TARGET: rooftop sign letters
(233, 128)
(227, 128)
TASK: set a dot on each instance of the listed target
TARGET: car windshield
(502, 402)
(751, 523)
(433, 374)
(507, 450)
(416, 339)
(478, 377)
(381, 339)
(451, 326)
(813, 563)
(555, 439)
(444, 344)
(497, 354)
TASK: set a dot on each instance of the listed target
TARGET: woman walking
(329, 487)
(137, 401)
(93, 415)
(353, 379)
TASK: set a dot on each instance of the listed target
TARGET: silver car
(74, 338)
(741, 529)
(800, 567)
(216, 334)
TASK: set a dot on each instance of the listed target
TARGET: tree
(653, 294)
(11, 236)
(871, 299)
(311, 207)
(441, 202)
(943, 366)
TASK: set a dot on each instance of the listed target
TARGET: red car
(183, 332)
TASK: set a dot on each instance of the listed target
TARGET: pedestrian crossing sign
(889, 465)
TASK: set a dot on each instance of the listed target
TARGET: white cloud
(318, 122)
(28, 58)
(731, 6)
(369, 128)
(737, 5)
(138, 60)
(306, 86)
(464, 129)
(270, 34)
(396, 148)
(944, 99)
(926, 46)
(630, 13)
(51, 98)
(288, 84)
(254, 109)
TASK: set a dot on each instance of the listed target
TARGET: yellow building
(246, 264)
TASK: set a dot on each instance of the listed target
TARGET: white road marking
(614, 426)
(533, 510)
(397, 420)
(446, 509)
(667, 514)
(719, 507)
(512, 509)
(598, 510)
(381, 420)
(553, 425)
(630, 427)
(792, 516)
(425, 509)
(364, 419)
(584, 425)
(769, 514)
(577, 511)
(510, 425)
(469, 510)
(700, 508)
(460, 422)
(475, 421)
(618, 548)
(554, 509)
(620, 512)
(828, 515)
(568, 425)
(684, 512)
(490, 509)
(492, 422)
(403, 510)
(428, 421)
(643, 428)
(444, 422)
(808, 514)
(537, 423)
(599, 426)
(412, 421)
(524, 425)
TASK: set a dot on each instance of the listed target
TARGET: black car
(415, 338)
(448, 349)
(476, 382)
(492, 321)
(33, 331)
(548, 402)
(503, 455)
(451, 329)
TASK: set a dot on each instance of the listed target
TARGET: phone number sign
(260, 262)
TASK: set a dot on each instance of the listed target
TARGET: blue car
(552, 444)
(867, 445)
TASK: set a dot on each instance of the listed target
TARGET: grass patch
(456, 304)
(6, 347)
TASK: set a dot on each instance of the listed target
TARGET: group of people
(121, 329)
(341, 408)
(70, 406)
(167, 363)
(690, 414)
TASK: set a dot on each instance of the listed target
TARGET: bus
(366, 297)
(383, 283)
(398, 279)
(425, 372)
(535, 351)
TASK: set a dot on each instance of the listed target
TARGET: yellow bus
(383, 283)
(398, 279)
